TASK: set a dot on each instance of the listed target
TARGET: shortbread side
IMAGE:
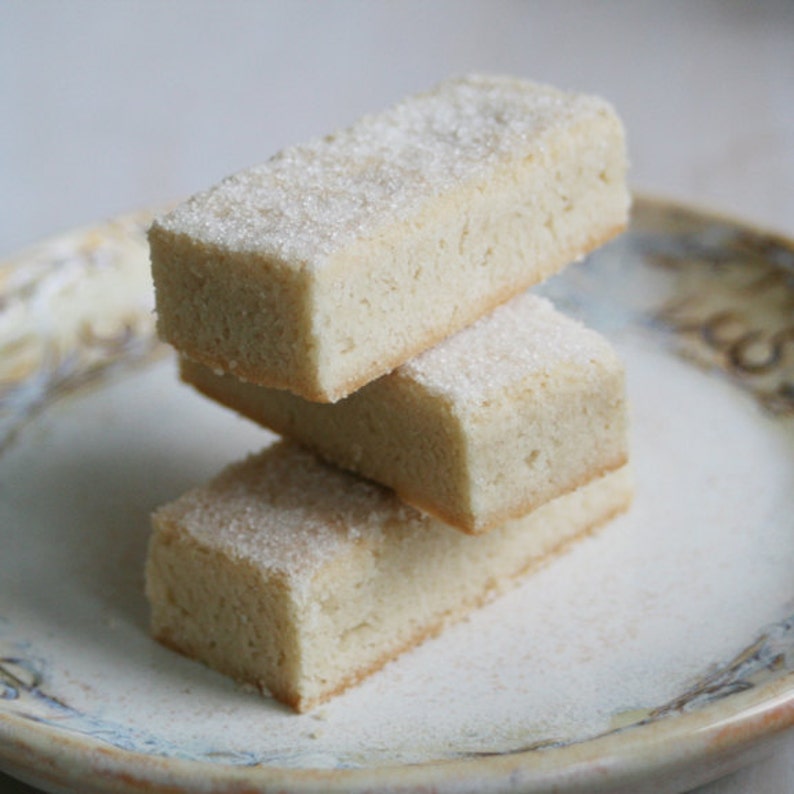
(388, 298)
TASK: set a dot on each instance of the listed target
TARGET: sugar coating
(313, 199)
(523, 342)
(301, 580)
(515, 410)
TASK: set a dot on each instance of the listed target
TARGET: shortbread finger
(336, 261)
(296, 577)
(517, 409)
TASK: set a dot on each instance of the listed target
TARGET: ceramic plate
(661, 648)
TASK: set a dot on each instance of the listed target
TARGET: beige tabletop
(110, 106)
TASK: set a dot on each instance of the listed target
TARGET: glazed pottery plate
(659, 649)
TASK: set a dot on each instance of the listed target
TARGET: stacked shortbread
(365, 296)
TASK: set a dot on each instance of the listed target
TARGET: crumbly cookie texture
(338, 260)
(301, 579)
(517, 409)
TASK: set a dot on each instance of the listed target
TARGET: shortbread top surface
(311, 200)
(286, 512)
(521, 345)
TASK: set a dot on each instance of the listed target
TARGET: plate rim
(725, 731)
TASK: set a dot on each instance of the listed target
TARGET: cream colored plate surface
(662, 648)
